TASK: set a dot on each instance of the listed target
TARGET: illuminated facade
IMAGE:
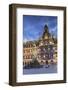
(43, 49)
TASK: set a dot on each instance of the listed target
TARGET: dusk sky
(33, 26)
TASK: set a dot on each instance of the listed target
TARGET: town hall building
(44, 49)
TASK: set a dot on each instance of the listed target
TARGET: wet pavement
(44, 70)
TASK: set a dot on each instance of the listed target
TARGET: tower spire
(46, 32)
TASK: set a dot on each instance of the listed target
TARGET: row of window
(41, 49)
(27, 57)
(39, 56)
(28, 51)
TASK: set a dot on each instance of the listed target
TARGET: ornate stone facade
(44, 49)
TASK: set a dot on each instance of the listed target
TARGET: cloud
(25, 40)
(53, 31)
(34, 26)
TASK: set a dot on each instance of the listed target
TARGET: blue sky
(33, 26)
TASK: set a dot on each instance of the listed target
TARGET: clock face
(45, 42)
